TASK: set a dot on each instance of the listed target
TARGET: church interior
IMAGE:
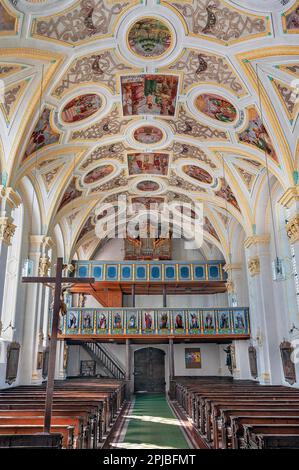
(149, 224)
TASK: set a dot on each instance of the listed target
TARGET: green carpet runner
(152, 424)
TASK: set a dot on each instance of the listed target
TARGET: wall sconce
(294, 327)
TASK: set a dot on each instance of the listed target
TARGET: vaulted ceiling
(172, 100)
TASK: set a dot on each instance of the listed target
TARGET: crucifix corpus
(58, 280)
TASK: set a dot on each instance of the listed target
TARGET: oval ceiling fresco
(98, 174)
(81, 108)
(149, 37)
(148, 135)
(148, 186)
(198, 173)
(216, 107)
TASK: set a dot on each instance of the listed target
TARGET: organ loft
(149, 225)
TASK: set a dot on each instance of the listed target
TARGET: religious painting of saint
(87, 321)
(81, 108)
(239, 321)
(194, 322)
(286, 352)
(163, 322)
(42, 135)
(223, 319)
(7, 21)
(102, 323)
(216, 107)
(148, 186)
(117, 322)
(149, 37)
(132, 322)
(148, 163)
(148, 321)
(72, 321)
(192, 358)
(146, 203)
(179, 322)
(149, 95)
(98, 174)
(256, 134)
(209, 322)
(148, 135)
(198, 173)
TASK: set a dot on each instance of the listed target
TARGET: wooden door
(149, 370)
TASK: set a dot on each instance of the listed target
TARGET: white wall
(180, 301)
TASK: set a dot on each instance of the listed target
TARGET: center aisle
(150, 423)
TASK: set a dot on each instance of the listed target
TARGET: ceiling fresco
(156, 100)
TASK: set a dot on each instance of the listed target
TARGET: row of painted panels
(155, 321)
(160, 271)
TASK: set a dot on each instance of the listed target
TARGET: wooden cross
(58, 280)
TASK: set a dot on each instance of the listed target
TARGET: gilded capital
(10, 196)
(232, 267)
(230, 287)
(256, 240)
(292, 228)
(290, 197)
(7, 230)
(254, 266)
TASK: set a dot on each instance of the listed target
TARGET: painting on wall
(148, 163)
(98, 174)
(179, 323)
(42, 135)
(81, 108)
(102, 323)
(239, 321)
(87, 318)
(117, 326)
(142, 203)
(223, 321)
(132, 322)
(148, 135)
(216, 107)
(7, 21)
(149, 94)
(88, 368)
(194, 322)
(72, 321)
(209, 322)
(12, 362)
(149, 37)
(198, 173)
(192, 358)
(148, 321)
(163, 322)
(286, 351)
(70, 194)
(148, 186)
(256, 134)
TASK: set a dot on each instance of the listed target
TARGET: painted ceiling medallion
(198, 173)
(148, 163)
(216, 107)
(148, 186)
(149, 94)
(149, 37)
(148, 135)
(81, 108)
(98, 173)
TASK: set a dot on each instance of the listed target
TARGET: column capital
(290, 197)
(257, 240)
(41, 241)
(254, 265)
(9, 196)
(292, 228)
(232, 267)
(7, 230)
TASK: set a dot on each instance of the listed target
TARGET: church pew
(222, 426)
(31, 441)
(238, 423)
(67, 432)
(76, 423)
(252, 430)
(274, 441)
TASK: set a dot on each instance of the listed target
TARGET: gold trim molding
(292, 228)
(256, 240)
(290, 197)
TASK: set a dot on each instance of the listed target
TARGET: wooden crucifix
(58, 280)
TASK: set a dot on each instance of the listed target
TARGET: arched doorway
(149, 370)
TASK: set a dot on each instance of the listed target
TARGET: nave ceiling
(172, 100)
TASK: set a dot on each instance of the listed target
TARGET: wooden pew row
(204, 399)
(85, 407)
